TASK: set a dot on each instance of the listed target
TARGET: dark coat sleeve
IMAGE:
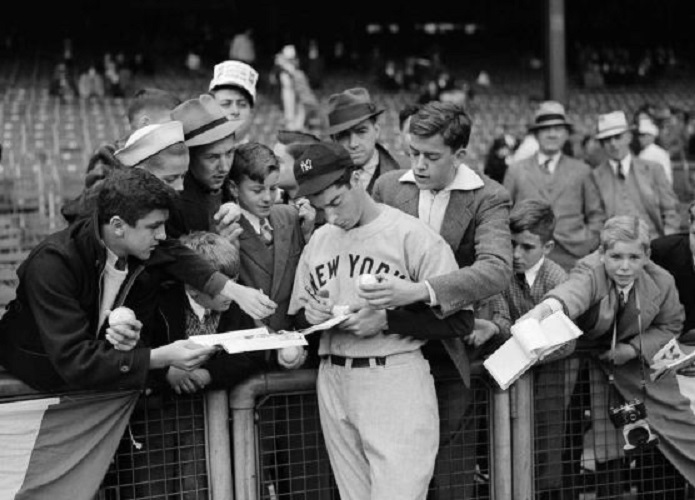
(188, 267)
(68, 335)
(420, 322)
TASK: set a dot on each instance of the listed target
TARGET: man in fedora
(210, 137)
(352, 123)
(632, 186)
(564, 183)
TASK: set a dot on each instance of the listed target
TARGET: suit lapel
(642, 177)
(538, 178)
(282, 233)
(457, 217)
(407, 198)
(607, 187)
(253, 248)
(559, 180)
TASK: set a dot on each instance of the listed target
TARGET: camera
(631, 416)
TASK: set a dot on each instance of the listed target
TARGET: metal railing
(279, 451)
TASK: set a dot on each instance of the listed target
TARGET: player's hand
(393, 292)
(620, 355)
(187, 355)
(253, 302)
(124, 336)
(483, 331)
(366, 322)
(318, 308)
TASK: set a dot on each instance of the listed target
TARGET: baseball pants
(381, 426)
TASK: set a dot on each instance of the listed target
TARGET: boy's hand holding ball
(124, 329)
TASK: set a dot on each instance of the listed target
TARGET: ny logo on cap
(306, 165)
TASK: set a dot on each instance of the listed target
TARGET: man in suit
(352, 123)
(564, 183)
(632, 186)
(471, 213)
(675, 254)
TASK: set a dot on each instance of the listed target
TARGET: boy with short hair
(56, 334)
(190, 312)
(532, 223)
(273, 234)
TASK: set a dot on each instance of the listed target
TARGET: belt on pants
(355, 362)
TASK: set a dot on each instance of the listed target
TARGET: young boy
(532, 224)
(189, 312)
(273, 235)
(618, 297)
(376, 395)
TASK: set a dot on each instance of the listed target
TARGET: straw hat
(204, 121)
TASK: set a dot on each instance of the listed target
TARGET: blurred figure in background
(502, 148)
(298, 100)
(242, 47)
(647, 132)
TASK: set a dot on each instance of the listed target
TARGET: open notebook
(531, 341)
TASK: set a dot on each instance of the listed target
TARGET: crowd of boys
(198, 229)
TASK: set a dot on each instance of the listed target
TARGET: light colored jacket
(573, 195)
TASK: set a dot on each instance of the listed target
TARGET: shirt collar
(465, 180)
(371, 165)
(197, 309)
(253, 219)
(625, 163)
(626, 290)
(554, 159)
(532, 273)
(112, 259)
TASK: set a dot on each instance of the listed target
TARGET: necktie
(546, 166)
(622, 302)
(266, 232)
(120, 264)
(621, 172)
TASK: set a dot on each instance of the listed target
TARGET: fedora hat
(148, 141)
(348, 108)
(611, 124)
(550, 114)
(204, 121)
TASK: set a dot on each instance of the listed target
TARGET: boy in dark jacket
(54, 334)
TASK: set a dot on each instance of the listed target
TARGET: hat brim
(218, 133)
(612, 132)
(341, 127)
(550, 123)
(317, 184)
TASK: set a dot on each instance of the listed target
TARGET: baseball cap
(320, 165)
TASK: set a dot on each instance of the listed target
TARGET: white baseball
(290, 355)
(368, 279)
(121, 315)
